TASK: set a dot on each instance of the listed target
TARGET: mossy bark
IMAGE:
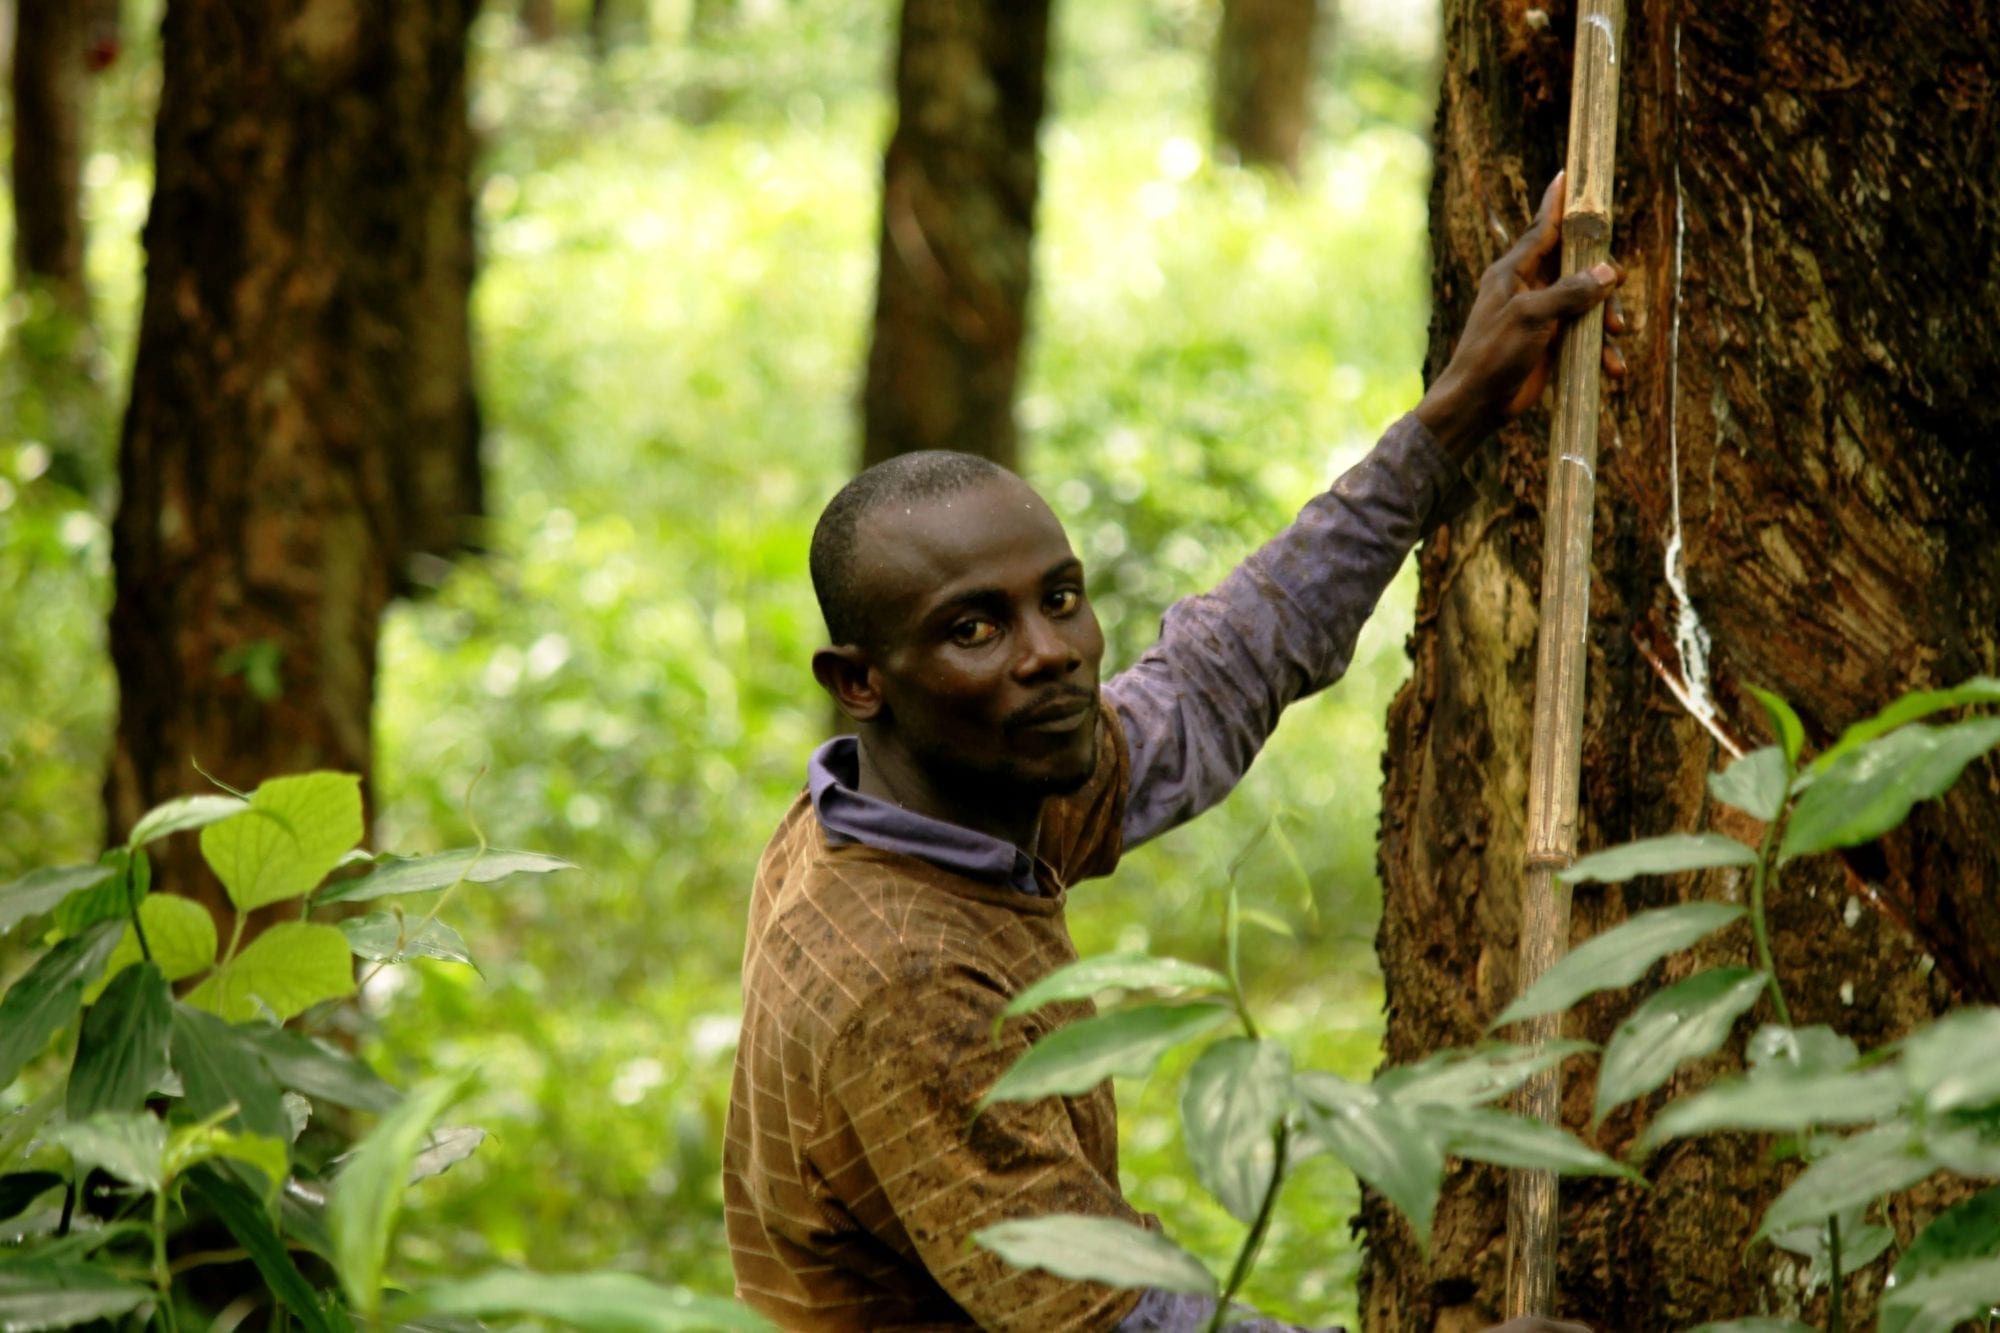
(1806, 189)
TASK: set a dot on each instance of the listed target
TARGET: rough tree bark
(1821, 173)
(958, 209)
(48, 89)
(1262, 100)
(302, 425)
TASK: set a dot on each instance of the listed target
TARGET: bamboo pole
(1562, 647)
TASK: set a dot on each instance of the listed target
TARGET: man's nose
(1045, 650)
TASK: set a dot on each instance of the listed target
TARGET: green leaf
(1857, 1172)
(318, 1070)
(1619, 956)
(368, 1194)
(1968, 1230)
(1118, 971)
(40, 1294)
(219, 1068)
(446, 1147)
(249, 1221)
(189, 812)
(1485, 1135)
(179, 931)
(1668, 855)
(1952, 1063)
(1126, 1043)
(1097, 1249)
(1687, 1020)
(1755, 784)
(593, 1302)
(191, 1145)
(48, 995)
(422, 874)
(388, 937)
(1870, 789)
(1944, 1298)
(1775, 1048)
(109, 897)
(1759, 1324)
(1454, 1078)
(1861, 1244)
(121, 1053)
(1788, 1104)
(1232, 1101)
(313, 819)
(42, 891)
(1785, 723)
(18, 1189)
(128, 1144)
(288, 969)
(1383, 1142)
(1922, 703)
(1967, 1144)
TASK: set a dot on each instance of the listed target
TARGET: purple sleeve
(1176, 1312)
(1200, 703)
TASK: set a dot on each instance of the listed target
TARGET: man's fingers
(1572, 296)
(1543, 234)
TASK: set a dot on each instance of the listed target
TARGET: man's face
(988, 651)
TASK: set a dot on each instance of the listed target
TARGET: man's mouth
(1067, 712)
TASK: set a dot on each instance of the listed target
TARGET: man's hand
(1508, 348)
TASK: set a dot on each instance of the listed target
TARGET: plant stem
(1766, 870)
(235, 938)
(132, 908)
(1254, 1241)
(1834, 1317)
(163, 1277)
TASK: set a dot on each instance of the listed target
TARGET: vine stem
(1767, 873)
(1836, 1323)
(1254, 1241)
(163, 1277)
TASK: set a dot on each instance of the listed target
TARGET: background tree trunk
(538, 20)
(302, 426)
(1831, 414)
(958, 213)
(48, 90)
(1264, 52)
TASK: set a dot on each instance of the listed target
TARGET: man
(919, 882)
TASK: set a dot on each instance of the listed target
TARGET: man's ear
(847, 675)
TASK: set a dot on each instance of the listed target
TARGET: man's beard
(1010, 778)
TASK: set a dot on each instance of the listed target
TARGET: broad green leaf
(1619, 957)
(48, 995)
(179, 931)
(1455, 1078)
(422, 874)
(219, 1068)
(42, 891)
(1755, 784)
(386, 937)
(121, 1052)
(1922, 703)
(109, 897)
(368, 1193)
(593, 1302)
(189, 812)
(1860, 1170)
(1118, 971)
(18, 1189)
(1097, 1249)
(313, 819)
(1758, 1324)
(191, 1145)
(1232, 1100)
(128, 1144)
(1485, 1135)
(1870, 789)
(1667, 855)
(1126, 1043)
(1955, 1062)
(37, 1293)
(1943, 1298)
(447, 1146)
(298, 1114)
(318, 1070)
(1790, 731)
(1818, 1049)
(1687, 1020)
(1780, 1103)
(1861, 1244)
(288, 969)
(1388, 1145)
(1968, 1230)
(1967, 1144)
(249, 1221)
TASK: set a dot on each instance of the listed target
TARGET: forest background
(677, 259)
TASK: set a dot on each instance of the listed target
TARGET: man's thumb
(1574, 294)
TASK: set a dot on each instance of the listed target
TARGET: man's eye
(1064, 601)
(972, 633)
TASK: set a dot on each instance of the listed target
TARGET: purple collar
(833, 775)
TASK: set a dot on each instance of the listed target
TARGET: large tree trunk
(302, 425)
(958, 213)
(1263, 80)
(48, 89)
(1821, 174)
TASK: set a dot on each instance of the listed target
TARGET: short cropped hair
(927, 474)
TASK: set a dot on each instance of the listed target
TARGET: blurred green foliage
(678, 256)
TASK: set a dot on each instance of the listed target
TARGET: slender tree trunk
(1808, 204)
(1264, 52)
(958, 212)
(301, 428)
(48, 89)
(538, 20)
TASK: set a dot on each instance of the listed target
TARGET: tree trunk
(48, 88)
(1263, 81)
(302, 429)
(958, 215)
(1807, 201)
(538, 20)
